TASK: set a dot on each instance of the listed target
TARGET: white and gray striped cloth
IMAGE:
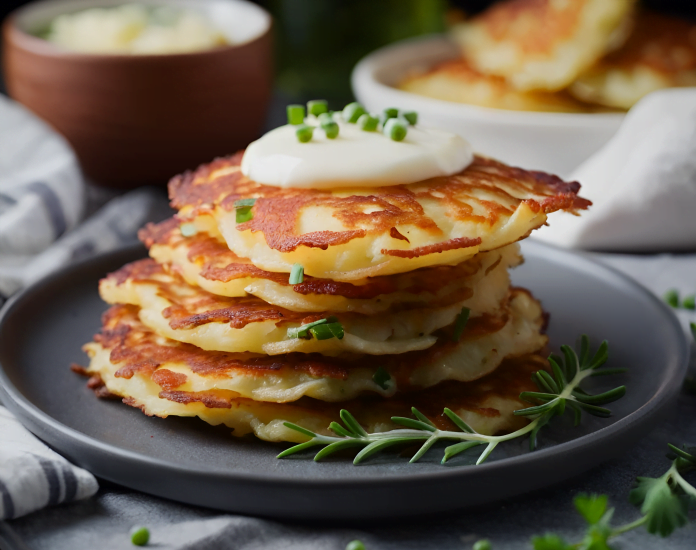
(43, 202)
(33, 476)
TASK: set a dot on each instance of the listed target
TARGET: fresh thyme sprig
(557, 392)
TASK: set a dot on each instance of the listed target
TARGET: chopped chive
(672, 298)
(330, 129)
(188, 229)
(411, 116)
(317, 107)
(483, 544)
(460, 323)
(381, 377)
(353, 111)
(325, 118)
(296, 114)
(140, 536)
(390, 112)
(689, 302)
(303, 331)
(327, 331)
(304, 133)
(368, 123)
(355, 545)
(297, 274)
(395, 129)
(243, 211)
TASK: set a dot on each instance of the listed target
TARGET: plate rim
(28, 414)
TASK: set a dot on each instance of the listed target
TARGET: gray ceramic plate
(42, 330)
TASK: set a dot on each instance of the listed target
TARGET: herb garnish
(558, 392)
(243, 211)
(323, 329)
(296, 275)
(460, 323)
(671, 297)
(381, 377)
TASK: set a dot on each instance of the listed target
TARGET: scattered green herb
(140, 536)
(243, 211)
(355, 545)
(381, 377)
(411, 117)
(296, 274)
(325, 118)
(672, 298)
(390, 112)
(304, 133)
(689, 302)
(317, 107)
(353, 111)
(188, 229)
(368, 123)
(558, 392)
(460, 324)
(483, 544)
(296, 114)
(395, 129)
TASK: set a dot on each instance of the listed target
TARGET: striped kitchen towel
(33, 476)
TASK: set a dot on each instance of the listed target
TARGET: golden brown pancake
(486, 404)
(542, 44)
(204, 261)
(351, 234)
(457, 81)
(126, 348)
(660, 53)
(177, 310)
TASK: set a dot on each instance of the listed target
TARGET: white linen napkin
(33, 476)
(642, 182)
(42, 191)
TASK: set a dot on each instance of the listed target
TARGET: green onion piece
(460, 323)
(328, 330)
(355, 545)
(304, 133)
(381, 377)
(296, 114)
(330, 129)
(317, 106)
(483, 544)
(411, 116)
(140, 536)
(672, 298)
(243, 211)
(368, 123)
(325, 118)
(303, 331)
(689, 302)
(395, 129)
(353, 111)
(297, 274)
(390, 112)
(188, 229)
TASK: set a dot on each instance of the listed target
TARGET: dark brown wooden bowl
(139, 119)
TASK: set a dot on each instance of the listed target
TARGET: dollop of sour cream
(355, 158)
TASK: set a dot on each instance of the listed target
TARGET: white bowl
(552, 142)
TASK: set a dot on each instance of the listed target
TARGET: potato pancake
(177, 310)
(352, 234)
(126, 348)
(543, 44)
(660, 53)
(486, 404)
(206, 262)
(457, 81)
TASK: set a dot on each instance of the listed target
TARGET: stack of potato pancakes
(405, 301)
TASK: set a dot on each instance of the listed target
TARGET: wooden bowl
(139, 119)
